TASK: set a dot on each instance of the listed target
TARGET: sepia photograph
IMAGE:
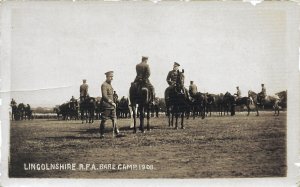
(150, 90)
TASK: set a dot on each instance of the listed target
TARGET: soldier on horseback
(142, 76)
(237, 94)
(262, 95)
(108, 105)
(172, 78)
(83, 90)
(192, 89)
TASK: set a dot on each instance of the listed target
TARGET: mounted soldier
(83, 90)
(262, 95)
(237, 94)
(142, 76)
(192, 89)
(172, 78)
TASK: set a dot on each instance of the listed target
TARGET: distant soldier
(83, 90)
(143, 74)
(108, 105)
(73, 99)
(13, 103)
(238, 93)
(192, 89)
(262, 95)
(115, 96)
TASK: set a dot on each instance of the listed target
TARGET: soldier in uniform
(72, 99)
(13, 103)
(115, 96)
(143, 74)
(172, 78)
(238, 93)
(83, 90)
(192, 89)
(262, 95)
(108, 105)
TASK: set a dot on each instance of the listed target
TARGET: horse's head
(251, 93)
(180, 79)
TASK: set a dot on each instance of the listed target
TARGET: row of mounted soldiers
(20, 111)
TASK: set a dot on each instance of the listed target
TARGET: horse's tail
(145, 95)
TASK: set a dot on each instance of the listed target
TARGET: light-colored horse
(254, 97)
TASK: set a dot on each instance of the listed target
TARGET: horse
(87, 109)
(177, 101)
(123, 110)
(255, 98)
(21, 110)
(226, 103)
(198, 104)
(275, 100)
(243, 101)
(73, 110)
(64, 110)
(28, 113)
(210, 103)
(140, 95)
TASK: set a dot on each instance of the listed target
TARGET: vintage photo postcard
(195, 92)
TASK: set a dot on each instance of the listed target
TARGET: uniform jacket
(142, 71)
(172, 76)
(84, 89)
(107, 95)
(193, 89)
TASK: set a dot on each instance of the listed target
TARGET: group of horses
(89, 109)
(180, 104)
(21, 112)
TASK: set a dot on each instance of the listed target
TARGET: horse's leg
(172, 120)
(142, 116)
(134, 117)
(148, 119)
(256, 107)
(182, 119)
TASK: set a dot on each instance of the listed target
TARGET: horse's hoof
(182, 127)
(176, 128)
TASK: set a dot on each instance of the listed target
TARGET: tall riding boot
(102, 127)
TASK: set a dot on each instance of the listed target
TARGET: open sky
(54, 47)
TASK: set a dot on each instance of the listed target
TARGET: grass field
(216, 147)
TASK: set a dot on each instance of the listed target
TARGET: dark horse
(140, 95)
(243, 101)
(177, 101)
(87, 109)
(21, 110)
(199, 104)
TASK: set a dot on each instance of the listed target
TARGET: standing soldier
(83, 90)
(72, 99)
(238, 93)
(13, 103)
(143, 74)
(108, 105)
(192, 89)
